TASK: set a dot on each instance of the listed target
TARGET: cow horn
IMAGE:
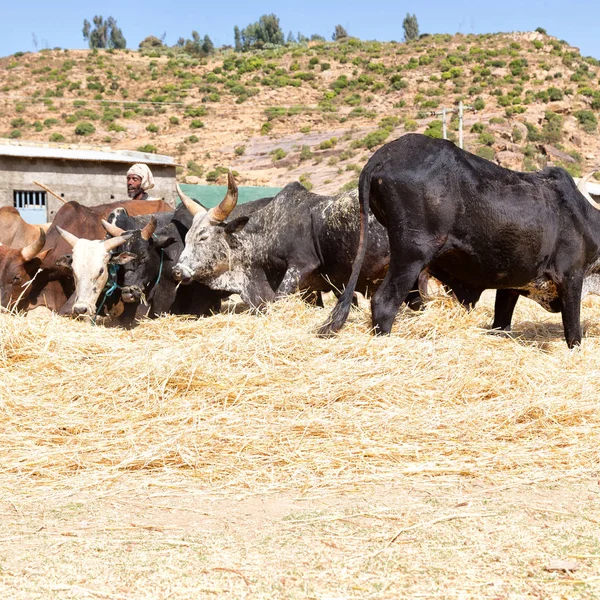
(112, 229)
(31, 251)
(221, 212)
(68, 237)
(116, 241)
(192, 206)
(581, 186)
(149, 229)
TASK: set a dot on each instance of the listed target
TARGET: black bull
(299, 242)
(475, 226)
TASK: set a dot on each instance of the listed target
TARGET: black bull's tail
(340, 313)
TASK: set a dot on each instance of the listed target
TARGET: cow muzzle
(182, 273)
(82, 310)
(131, 293)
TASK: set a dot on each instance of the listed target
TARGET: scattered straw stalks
(258, 403)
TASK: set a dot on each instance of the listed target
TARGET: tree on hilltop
(339, 34)
(265, 31)
(104, 33)
(411, 28)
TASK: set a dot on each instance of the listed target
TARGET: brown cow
(18, 267)
(14, 231)
(54, 285)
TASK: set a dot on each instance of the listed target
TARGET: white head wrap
(144, 173)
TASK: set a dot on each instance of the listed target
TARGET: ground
(241, 457)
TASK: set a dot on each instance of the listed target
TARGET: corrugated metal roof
(87, 154)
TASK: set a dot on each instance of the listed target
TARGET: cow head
(17, 268)
(89, 262)
(209, 240)
(144, 269)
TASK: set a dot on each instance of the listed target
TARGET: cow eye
(16, 279)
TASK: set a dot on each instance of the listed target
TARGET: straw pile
(258, 403)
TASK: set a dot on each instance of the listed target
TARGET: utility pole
(444, 114)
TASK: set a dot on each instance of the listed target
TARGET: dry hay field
(240, 456)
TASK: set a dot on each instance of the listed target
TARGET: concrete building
(89, 176)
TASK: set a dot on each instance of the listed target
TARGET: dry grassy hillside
(313, 113)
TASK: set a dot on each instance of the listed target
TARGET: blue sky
(59, 23)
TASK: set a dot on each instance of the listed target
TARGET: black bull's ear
(123, 258)
(236, 225)
(66, 260)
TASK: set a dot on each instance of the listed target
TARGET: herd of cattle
(436, 211)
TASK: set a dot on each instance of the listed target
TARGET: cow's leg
(504, 307)
(257, 290)
(570, 295)
(398, 282)
(292, 278)
(413, 299)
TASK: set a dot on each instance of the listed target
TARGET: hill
(313, 112)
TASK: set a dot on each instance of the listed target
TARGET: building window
(29, 200)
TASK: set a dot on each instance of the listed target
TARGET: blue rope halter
(110, 287)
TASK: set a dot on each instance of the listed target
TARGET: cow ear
(123, 258)
(236, 225)
(66, 260)
(162, 240)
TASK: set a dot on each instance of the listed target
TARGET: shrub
(15, 133)
(305, 153)
(174, 120)
(193, 139)
(389, 123)
(552, 128)
(278, 154)
(152, 128)
(517, 135)
(587, 120)
(485, 152)
(148, 148)
(477, 128)
(327, 144)
(478, 104)
(196, 124)
(486, 139)
(239, 150)
(555, 94)
(84, 128)
(304, 179)
(57, 137)
(375, 138)
(410, 125)
(434, 129)
(18, 122)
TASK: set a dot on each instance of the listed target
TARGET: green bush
(486, 139)
(148, 148)
(196, 124)
(555, 94)
(15, 133)
(239, 150)
(278, 154)
(434, 129)
(485, 152)
(410, 125)
(57, 137)
(84, 128)
(152, 128)
(305, 153)
(174, 120)
(375, 138)
(587, 120)
(477, 128)
(478, 104)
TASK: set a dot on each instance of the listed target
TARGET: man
(139, 180)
